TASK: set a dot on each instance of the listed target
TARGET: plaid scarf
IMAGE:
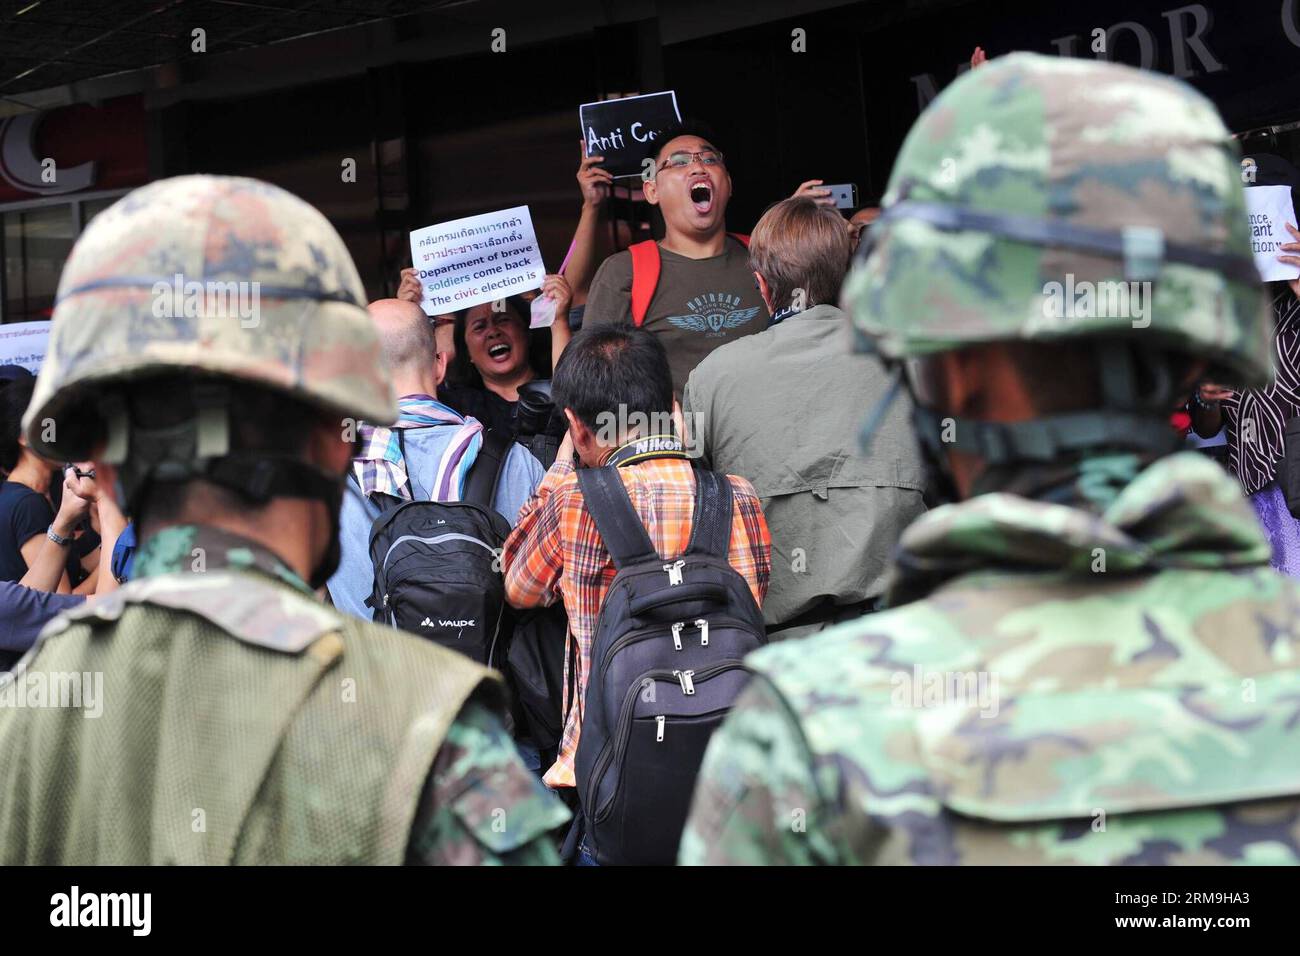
(380, 467)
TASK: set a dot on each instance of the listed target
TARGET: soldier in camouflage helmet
(211, 352)
(1096, 664)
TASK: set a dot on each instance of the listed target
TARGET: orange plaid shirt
(555, 550)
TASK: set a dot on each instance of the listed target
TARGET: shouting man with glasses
(693, 287)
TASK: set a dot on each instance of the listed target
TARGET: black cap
(14, 373)
(1269, 170)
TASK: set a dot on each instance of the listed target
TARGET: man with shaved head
(425, 455)
(408, 341)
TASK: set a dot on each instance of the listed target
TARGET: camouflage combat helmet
(1044, 199)
(216, 276)
(1031, 168)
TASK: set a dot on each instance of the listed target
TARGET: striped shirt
(1256, 417)
(556, 551)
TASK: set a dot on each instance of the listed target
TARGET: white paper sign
(477, 259)
(24, 343)
(1270, 210)
(543, 313)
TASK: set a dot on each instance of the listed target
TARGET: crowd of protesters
(812, 523)
(714, 350)
(815, 520)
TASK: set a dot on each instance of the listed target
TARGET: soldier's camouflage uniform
(238, 605)
(1127, 703)
(1058, 681)
(240, 719)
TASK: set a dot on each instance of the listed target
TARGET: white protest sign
(1270, 210)
(24, 343)
(467, 262)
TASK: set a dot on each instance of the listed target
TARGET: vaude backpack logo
(441, 623)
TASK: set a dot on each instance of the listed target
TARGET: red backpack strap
(645, 273)
(645, 277)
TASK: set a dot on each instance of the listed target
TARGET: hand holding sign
(594, 181)
(620, 131)
(409, 288)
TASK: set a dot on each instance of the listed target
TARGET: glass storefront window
(37, 243)
(35, 240)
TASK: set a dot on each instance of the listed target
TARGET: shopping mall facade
(438, 124)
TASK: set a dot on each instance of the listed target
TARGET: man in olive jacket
(784, 409)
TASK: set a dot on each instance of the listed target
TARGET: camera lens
(533, 412)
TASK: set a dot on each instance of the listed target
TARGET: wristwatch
(57, 538)
(1202, 403)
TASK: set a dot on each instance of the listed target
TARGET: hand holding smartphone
(845, 195)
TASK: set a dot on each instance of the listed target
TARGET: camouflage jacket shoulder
(474, 801)
(482, 806)
(243, 590)
(1037, 705)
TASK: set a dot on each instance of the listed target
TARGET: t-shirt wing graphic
(690, 323)
(737, 317)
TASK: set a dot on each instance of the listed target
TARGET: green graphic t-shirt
(698, 305)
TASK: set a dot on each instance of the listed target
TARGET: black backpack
(666, 666)
(437, 564)
(536, 674)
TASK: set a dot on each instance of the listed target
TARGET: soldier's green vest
(309, 744)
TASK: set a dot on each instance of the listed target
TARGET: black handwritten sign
(621, 130)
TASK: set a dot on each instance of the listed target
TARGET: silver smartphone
(845, 195)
